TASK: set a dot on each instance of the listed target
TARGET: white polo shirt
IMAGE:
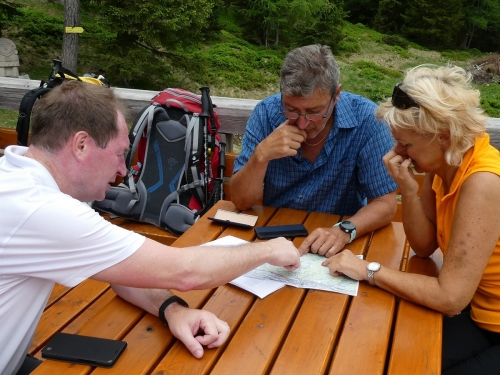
(46, 236)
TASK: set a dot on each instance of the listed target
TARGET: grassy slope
(372, 71)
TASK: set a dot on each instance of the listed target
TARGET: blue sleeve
(264, 119)
(373, 175)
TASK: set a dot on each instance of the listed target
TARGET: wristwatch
(372, 267)
(348, 227)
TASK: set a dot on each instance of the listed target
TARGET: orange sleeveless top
(485, 304)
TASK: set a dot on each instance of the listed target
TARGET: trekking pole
(57, 64)
(222, 167)
(205, 106)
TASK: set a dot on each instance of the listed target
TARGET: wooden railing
(233, 112)
(233, 115)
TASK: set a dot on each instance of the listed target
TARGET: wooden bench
(8, 137)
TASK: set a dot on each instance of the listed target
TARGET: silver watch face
(373, 266)
(347, 226)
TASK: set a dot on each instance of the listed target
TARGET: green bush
(402, 52)
(475, 52)
(236, 64)
(395, 40)
(491, 106)
(41, 29)
(456, 55)
(349, 45)
(371, 74)
(370, 65)
(376, 94)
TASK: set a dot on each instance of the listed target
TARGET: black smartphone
(234, 218)
(93, 351)
(294, 230)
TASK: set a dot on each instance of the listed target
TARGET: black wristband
(164, 305)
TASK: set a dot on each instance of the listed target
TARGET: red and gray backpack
(175, 164)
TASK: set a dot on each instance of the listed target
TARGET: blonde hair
(447, 102)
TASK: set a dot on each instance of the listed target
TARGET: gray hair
(308, 68)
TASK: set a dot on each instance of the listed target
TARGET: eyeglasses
(308, 116)
(401, 99)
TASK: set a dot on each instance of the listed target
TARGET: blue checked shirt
(348, 170)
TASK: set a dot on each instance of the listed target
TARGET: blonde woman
(435, 117)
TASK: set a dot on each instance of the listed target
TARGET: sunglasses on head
(401, 99)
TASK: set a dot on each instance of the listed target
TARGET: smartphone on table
(93, 351)
(292, 230)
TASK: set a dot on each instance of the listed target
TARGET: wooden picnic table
(291, 331)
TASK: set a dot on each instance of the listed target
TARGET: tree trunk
(471, 35)
(465, 40)
(70, 40)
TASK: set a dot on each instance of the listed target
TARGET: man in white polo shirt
(48, 234)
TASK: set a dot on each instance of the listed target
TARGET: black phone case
(294, 230)
(93, 351)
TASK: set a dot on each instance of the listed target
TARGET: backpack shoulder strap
(194, 149)
(23, 120)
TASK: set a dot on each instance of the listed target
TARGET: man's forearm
(157, 266)
(147, 299)
(247, 185)
(379, 212)
(226, 264)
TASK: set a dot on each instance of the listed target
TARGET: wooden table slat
(291, 331)
(230, 304)
(318, 322)
(412, 351)
(109, 317)
(259, 337)
(148, 230)
(57, 293)
(65, 310)
(364, 341)
(266, 322)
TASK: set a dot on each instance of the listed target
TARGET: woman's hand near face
(399, 169)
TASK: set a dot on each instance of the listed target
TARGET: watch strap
(371, 280)
(164, 305)
(352, 234)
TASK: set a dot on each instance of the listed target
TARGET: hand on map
(348, 264)
(325, 241)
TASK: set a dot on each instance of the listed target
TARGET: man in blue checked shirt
(315, 148)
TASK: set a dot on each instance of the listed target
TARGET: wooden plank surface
(110, 317)
(65, 310)
(364, 341)
(57, 293)
(8, 137)
(149, 230)
(265, 324)
(315, 330)
(291, 331)
(412, 349)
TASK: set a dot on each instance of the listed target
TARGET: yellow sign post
(74, 30)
